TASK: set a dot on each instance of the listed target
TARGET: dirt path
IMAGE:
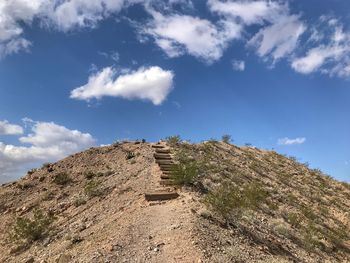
(160, 231)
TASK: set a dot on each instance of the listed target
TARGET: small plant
(294, 219)
(89, 175)
(31, 171)
(46, 165)
(229, 198)
(185, 172)
(62, 179)
(92, 188)
(79, 200)
(173, 140)
(129, 155)
(32, 229)
(226, 138)
(49, 195)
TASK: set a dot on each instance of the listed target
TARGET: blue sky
(75, 74)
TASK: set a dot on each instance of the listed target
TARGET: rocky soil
(109, 220)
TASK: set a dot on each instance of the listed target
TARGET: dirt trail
(160, 231)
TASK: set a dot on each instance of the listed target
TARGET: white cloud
(152, 83)
(287, 141)
(329, 52)
(279, 32)
(7, 128)
(63, 15)
(248, 12)
(47, 142)
(238, 65)
(180, 34)
(279, 39)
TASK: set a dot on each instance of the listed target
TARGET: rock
(63, 258)
(30, 260)
(156, 249)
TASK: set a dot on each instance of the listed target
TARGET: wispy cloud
(288, 141)
(238, 65)
(328, 51)
(152, 83)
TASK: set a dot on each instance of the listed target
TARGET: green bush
(228, 198)
(89, 175)
(185, 172)
(93, 188)
(62, 178)
(32, 229)
(226, 138)
(294, 219)
(79, 200)
(129, 155)
(173, 140)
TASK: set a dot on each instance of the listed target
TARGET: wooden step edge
(159, 196)
(162, 150)
(167, 182)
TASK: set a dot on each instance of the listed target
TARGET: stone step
(160, 195)
(163, 150)
(158, 146)
(165, 176)
(162, 156)
(164, 162)
(166, 169)
(167, 182)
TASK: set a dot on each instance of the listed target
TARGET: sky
(77, 74)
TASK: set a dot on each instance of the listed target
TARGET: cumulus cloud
(152, 83)
(238, 65)
(329, 51)
(47, 142)
(179, 34)
(287, 141)
(7, 128)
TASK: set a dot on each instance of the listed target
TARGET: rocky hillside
(235, 205)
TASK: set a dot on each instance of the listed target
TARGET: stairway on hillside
(164, 159)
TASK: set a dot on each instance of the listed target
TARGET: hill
(235, 204)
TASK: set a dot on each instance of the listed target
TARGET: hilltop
(235, 204)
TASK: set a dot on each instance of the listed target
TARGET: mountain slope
(96, 200)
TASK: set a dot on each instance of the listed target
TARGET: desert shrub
(31, 171)
(62, 178)
(226, 138)
(310, 237)
(229, 198)
(93, 188)
(49, 195)
(46, 165)
(280, 227)
(129, 155)
(185, 171)
(173, 140)
(89, 174)
(79, 200)
(24, 185)
(294, 219)
(32, 229)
